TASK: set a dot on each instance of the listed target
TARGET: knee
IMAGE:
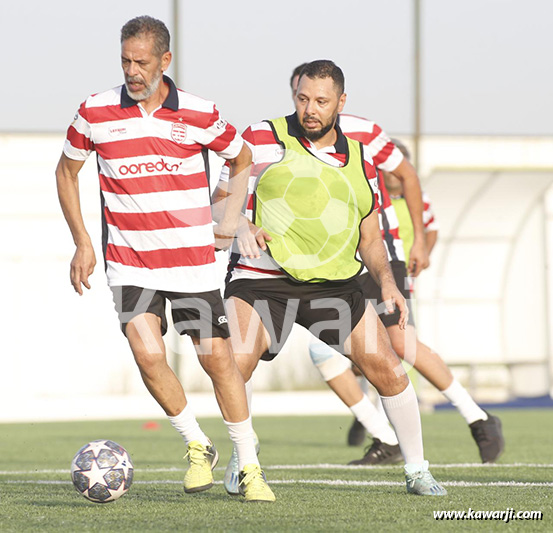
(217, 361)
(246, 364)
(147, 360)
(388, 372)
(147, 349)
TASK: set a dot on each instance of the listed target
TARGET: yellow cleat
(253, 485)
(202, 460)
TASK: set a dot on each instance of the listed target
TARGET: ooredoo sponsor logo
(148, 168)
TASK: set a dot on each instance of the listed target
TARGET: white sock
(249, 394)
(378, 405)
(187, 425)
(462, 400)
(375, 423)
(241, 435)
(402, 411)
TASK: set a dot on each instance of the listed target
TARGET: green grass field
(302, 457)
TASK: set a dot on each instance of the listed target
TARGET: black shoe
(380, 453)
(356, 434)
(488, 437)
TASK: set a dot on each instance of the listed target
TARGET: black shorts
(373, 293)
(329, 310)
(199, 314)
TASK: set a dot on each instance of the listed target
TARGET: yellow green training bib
(313, 210)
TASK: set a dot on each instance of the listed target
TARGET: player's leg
(371, 351)
(356, 432)
(335, 369)
(215, 356)
(203, 318)
(143, 321)
(485, 428)
(249, 337)
(142, 317)
(144, 334)
(249, 342)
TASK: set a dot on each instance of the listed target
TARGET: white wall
(485, 299)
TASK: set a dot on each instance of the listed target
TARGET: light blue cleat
(420, 481)
(231, 480)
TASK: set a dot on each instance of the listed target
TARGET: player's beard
(316, 135)
(148, 89)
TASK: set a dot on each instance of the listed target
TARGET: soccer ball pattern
(309, 209)
(102, 471)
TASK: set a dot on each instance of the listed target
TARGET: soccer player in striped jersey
(406, 234)
(485, 429)
(298, 265)
(151, 141)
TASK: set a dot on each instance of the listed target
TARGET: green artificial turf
(302, 457)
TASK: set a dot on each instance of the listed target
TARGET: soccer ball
(102, 471)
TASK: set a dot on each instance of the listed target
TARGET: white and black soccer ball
(102, 471)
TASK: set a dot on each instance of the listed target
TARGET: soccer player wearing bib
(151, 142)
(405, 258)
(312, 207)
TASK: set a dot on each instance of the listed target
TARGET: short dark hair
(296, 72)
(324, 68)
(145, 25)
(402, 148)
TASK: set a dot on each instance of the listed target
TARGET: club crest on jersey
(178, 132)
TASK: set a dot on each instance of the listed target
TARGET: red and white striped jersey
(156, 206)
(265, 151)
(386, 156)
(428, 218)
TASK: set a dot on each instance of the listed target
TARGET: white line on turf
(320, 466)
(331, 482)
(328, 466)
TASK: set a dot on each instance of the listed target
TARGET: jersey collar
(341, 144)
(171, 102)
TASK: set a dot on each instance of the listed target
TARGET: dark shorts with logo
(199, 314)
(372, 292)
(330, 310)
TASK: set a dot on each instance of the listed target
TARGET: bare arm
(405, 172)
(250, 238)
(431, 239)
(228, 198)
(373, 254)
(84, 260)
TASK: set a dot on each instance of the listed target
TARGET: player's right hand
(418, 258)
(392, 298)
(250, 239)
(82, 266)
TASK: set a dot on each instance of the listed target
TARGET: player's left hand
(418, 258)
(392, 298)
